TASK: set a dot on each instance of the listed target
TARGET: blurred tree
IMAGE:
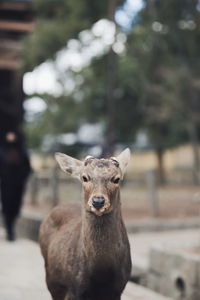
(120, 100)
(110, 137)
(126, 106)
(167, 35)
(62, 115)
(187, 108)
(154, 86)
(102, 97)
(57, 22)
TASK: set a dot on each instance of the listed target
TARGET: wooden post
(193, 134)
(152, 193)
(34, 189)
(55, 183)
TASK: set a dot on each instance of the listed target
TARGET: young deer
(86, 251)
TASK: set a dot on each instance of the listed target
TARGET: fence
(53, 187)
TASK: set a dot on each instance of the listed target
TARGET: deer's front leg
(57, 292)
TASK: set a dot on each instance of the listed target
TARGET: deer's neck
(100, 234)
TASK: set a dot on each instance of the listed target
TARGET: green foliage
(157, 81)
(94, 105)
(164, 43)
(56, 23)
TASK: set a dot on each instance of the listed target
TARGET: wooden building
(16, 20)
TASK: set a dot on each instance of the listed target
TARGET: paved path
(22, 272)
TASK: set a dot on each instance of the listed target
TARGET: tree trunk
(110, 138)
(161, 169)
(192, 130)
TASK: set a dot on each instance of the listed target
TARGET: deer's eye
(116, 180)
(85, 179)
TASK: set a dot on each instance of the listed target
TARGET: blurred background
(93, 77)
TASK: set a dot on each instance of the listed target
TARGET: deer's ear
(69, 165)
(123, 158)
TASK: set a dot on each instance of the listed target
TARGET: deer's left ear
(69, 165)
(123, 158)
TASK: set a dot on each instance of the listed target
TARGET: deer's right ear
(69, 165)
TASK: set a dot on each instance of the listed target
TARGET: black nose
(98, 202)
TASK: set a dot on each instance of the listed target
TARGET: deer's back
(61, 221)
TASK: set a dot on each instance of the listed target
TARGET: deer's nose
(98, 202)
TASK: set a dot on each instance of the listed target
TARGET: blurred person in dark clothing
(14, 171)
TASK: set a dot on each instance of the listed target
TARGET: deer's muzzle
(99, 204)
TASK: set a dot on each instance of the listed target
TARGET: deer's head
(100, 179)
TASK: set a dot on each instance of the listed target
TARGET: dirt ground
(172, 201)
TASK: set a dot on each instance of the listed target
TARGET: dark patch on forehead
(102, 163)
(101, 168)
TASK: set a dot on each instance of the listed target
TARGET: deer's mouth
(99, 210)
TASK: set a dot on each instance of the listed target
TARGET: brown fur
(86, 252)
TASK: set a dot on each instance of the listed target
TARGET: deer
(85, 246)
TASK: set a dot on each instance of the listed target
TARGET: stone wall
(174, 271)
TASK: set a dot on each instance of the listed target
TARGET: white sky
(125, 15)
(37, 103)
